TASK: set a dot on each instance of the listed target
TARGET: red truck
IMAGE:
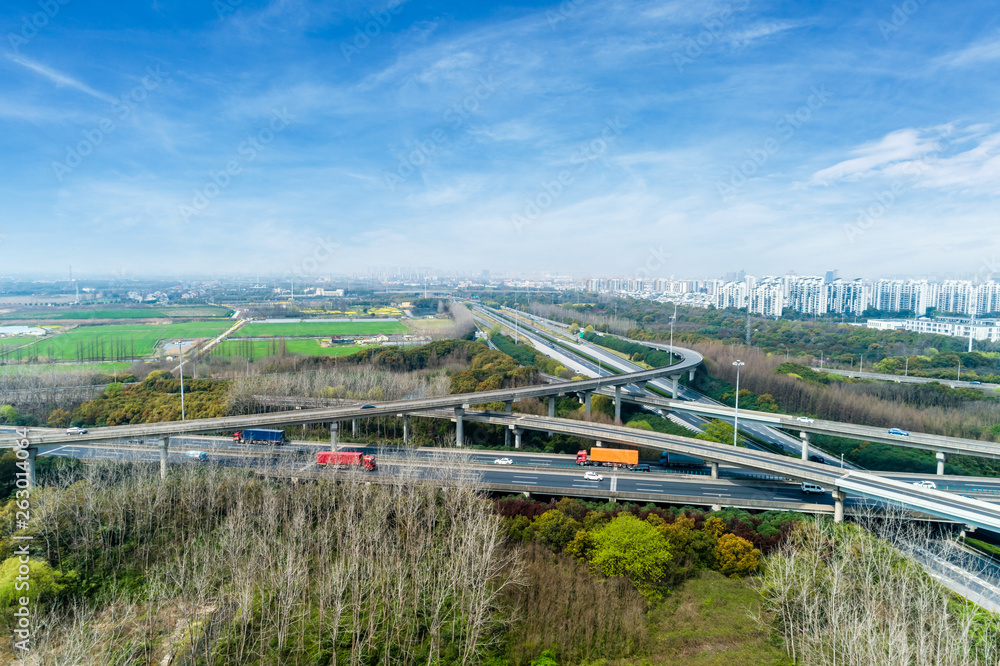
(345, 459)
(608, 457)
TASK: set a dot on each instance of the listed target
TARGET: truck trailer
(346, 459)
(680, 460)
(259, 436)
(608, 457)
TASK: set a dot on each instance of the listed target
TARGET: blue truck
(259, 436)
(667, 458)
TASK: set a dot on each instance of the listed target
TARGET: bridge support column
(715, 470)
(586, 404)
(354, 427)
(506, 436)
(675, 381)
(940, 462)
(517, 437)
(552, 409)
(334, 428)
(164, 443)
(459, 427)
(838, 506)
(642, 386)
(618, 404)
(691, 375)
(406, 428)
(526, 494)
(716, 507)
(804, 436)
(32, 454)
(508, 406)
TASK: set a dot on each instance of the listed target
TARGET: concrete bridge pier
(838, 506)
(406, 428)
(715, 470)
(32, 455)
(804, 436)
(618, 404)
(354, 428)
(552, 409)
(459, 427)
(164, 443)
(334, 428)
(940, 462)
(675, 381)
(508, 406)
(691, 375)
(586, 404)
(517, 437)
(642, 386)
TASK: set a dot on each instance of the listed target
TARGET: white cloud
(966, 159)
(59, 78)
(900, 146)
(987, 50)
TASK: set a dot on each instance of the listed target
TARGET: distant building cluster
(769, 296)
(982, 329)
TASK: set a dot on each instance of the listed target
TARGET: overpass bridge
(940, 444)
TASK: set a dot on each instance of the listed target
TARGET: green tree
(554, 529)
(717, 431)
(8, 415)
(44, 584)
(735, 556)
(634, 549)
(59, 418)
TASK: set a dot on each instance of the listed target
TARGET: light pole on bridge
(736, 413)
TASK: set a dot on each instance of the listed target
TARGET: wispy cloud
(983, 51)
(59, 78)
(896, 147)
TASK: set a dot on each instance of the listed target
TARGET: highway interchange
(458, 408)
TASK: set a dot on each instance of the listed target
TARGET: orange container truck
(608, 457)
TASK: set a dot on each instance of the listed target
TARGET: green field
(163, 312)
(118, 342)
(319, 329)
(257, 349)
(42, 368)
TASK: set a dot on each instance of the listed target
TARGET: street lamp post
(180, 346)
(906, 367)
(736, 413)
(672, 319)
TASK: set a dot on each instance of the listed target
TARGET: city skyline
(655, 136)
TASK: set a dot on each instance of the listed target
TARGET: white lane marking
(648, 488)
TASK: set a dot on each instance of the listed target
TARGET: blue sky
(584, 137)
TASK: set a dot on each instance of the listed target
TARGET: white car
(503, 461)
(593, 476)
(929, 485)
(805, 419)
(76, 431)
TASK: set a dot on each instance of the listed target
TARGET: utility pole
(180, 345)
(736, 413)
